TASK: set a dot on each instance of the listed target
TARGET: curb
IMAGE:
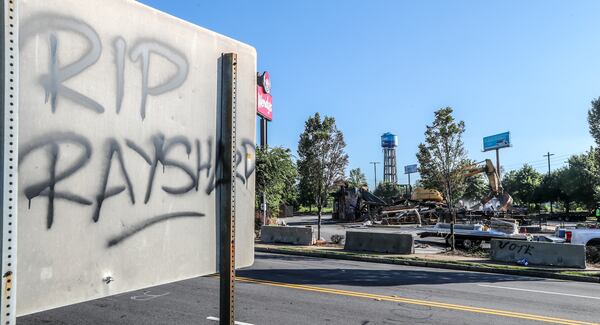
(432, 264)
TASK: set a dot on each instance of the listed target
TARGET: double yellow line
(364, 295)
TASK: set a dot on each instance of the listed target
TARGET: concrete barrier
(287, 235)
(378, 241)
(565, 255)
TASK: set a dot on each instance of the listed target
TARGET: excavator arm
(496, 189)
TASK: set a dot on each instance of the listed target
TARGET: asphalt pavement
(284, 289)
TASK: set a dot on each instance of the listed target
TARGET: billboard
(264, 102)
(496, 141)
(117, 150)
(410, 169)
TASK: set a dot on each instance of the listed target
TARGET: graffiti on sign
(525, 249)
(119, 150)
(158, 152)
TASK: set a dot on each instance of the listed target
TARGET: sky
(528, 67)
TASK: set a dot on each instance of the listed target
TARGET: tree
(357, 178)
(475, 187)
(552, 189)
(389, 191)
(276, 177)
(594, 125)
(579, 180)
(321, 160)
(549, 189)
(305, 194)
(521, 184)
(442, 157)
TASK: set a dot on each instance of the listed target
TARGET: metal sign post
(498, 163)
(9, 134)
(264, 109)
(227, 189)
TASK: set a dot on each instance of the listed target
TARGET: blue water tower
(389, 142)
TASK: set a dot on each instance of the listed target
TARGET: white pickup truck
(588, 237)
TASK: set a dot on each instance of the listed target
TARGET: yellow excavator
(425, 194)
(496, 189)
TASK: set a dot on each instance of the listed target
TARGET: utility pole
(375, 171)
(548, 155)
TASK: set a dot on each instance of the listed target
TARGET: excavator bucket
(505, 201)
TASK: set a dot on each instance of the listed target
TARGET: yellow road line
(487, 311)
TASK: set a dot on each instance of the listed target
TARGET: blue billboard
(410, 169)
(496, 141)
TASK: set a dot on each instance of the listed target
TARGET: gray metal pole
(375, 171)
(226, 186)
(498, 164)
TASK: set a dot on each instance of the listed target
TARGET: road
(284, 289)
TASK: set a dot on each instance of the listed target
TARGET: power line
(536, 164)
(542, 161)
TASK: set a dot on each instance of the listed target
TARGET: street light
(375, 171)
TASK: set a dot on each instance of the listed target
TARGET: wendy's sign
(264, 100)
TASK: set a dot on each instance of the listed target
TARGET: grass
(400, 259)
(581, 273)
(305, 210)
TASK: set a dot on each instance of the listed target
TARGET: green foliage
(594, 124)
(594, 120)
(549, 189)
(522, 184)
(275, 176)
(389, 191)
(576, 183)
(357, 178)
(442, 156)
(475, 188)
(321, 160)
(579, 180)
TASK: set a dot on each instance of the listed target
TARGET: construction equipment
(496, 189)
(425, 194)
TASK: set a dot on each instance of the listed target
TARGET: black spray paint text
(196, 159)
(141, 51)
(157, 154)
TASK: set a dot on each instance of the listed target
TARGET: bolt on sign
(110, 150)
